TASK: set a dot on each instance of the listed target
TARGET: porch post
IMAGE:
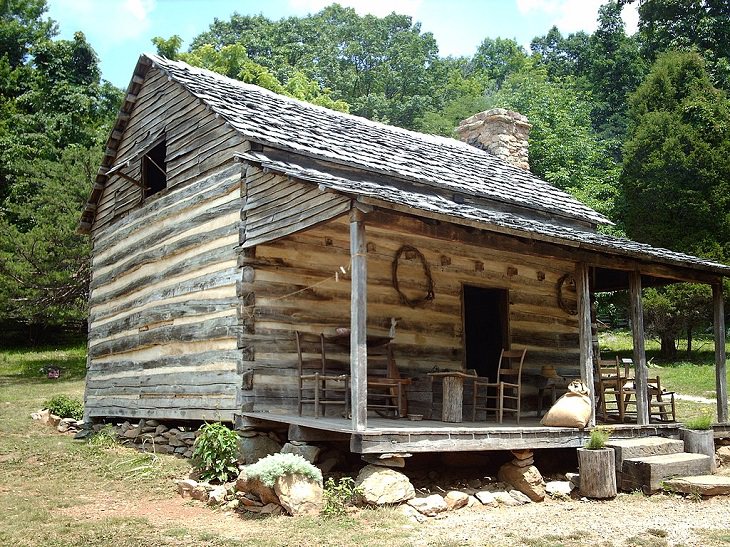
(720, 357)
(637, 329)
(358, 321)
(585, 335)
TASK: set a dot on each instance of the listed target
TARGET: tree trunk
(689, 340)
(597, 469)
(669, 347)
(698, 441)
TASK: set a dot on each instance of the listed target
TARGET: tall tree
(675, 181)
(689, 25)
(564, 149)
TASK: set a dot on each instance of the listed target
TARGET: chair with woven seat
(609, 383)
(660, 401)
(320, 383)
(386, 387)
(508, 387)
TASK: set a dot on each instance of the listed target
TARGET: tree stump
(453, 399)
(597, 470)
(700, 441)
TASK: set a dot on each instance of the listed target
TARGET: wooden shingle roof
(289, 124)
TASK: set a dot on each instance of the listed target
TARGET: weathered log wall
(163, 318)
(294, 285)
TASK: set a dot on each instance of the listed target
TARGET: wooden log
(637, 331)
(720, 360)
(582, 288)
(453, 399)
(358, 322)
(700, 442)
(597, 470)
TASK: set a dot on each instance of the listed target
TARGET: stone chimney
(500, 132)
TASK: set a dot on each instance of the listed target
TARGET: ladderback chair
(609, 384)
(386, 388)
(320, 383)
(491, 396)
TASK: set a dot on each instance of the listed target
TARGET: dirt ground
(630, 519)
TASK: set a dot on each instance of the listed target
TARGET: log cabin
(225, 218)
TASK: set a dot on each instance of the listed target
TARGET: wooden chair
(661, 403)
(507, 387)
(318, 384)
(386, 388)
(609, 384)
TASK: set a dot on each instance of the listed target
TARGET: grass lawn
(55, 491)
(694, 375)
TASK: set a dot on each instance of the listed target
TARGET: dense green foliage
(55, 113)
(635, 126)
(215, 452)
(64, 406)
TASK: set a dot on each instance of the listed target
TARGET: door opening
(485, 328)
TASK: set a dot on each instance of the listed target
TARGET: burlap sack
(572, 410)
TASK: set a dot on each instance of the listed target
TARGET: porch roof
(425, 201)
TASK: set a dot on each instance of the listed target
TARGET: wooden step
(641, 447)
(649, 473)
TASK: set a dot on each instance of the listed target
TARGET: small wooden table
(453, 396)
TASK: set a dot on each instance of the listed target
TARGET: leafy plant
(700, 423)
(270, 468)
(65, 407)
(338, 495)
(215, 452)
(599, 437)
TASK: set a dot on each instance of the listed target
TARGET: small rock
(174, 441)
(151, 423)
(256, 487)
(54, 420)
(456, 500)
(504, 498)
(486, 498)
(199, 493)
(160, 429)
(723, 455)
(705, 485)
(252, 449)
(186, 435)
(523, 463)
(299, 495)
(574, 479)
(217, 495)
(525, 479)
(559, 488)
(383, 486)
(271, 509)
(247, 434)
(520, 497)
(83, 433)
(179, 449)
(185, 487)
(411, 513)
(522, 454)
(429, 506)
(233, 505)
(148, 429)
(188, 454)
(472, 502)
(131, 433)
(395, 461)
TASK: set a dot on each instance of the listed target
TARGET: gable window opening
(154, 169)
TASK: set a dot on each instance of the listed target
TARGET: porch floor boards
(401, 435)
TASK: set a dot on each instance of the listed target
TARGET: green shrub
(338, 495)
(215, 452)
(599, 437)
(66, 407)
(701, 423)
(270, 468)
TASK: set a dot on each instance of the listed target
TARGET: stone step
(703, 485)
(641, 447)
(649, 473)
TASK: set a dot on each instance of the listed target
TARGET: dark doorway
(485, 328)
